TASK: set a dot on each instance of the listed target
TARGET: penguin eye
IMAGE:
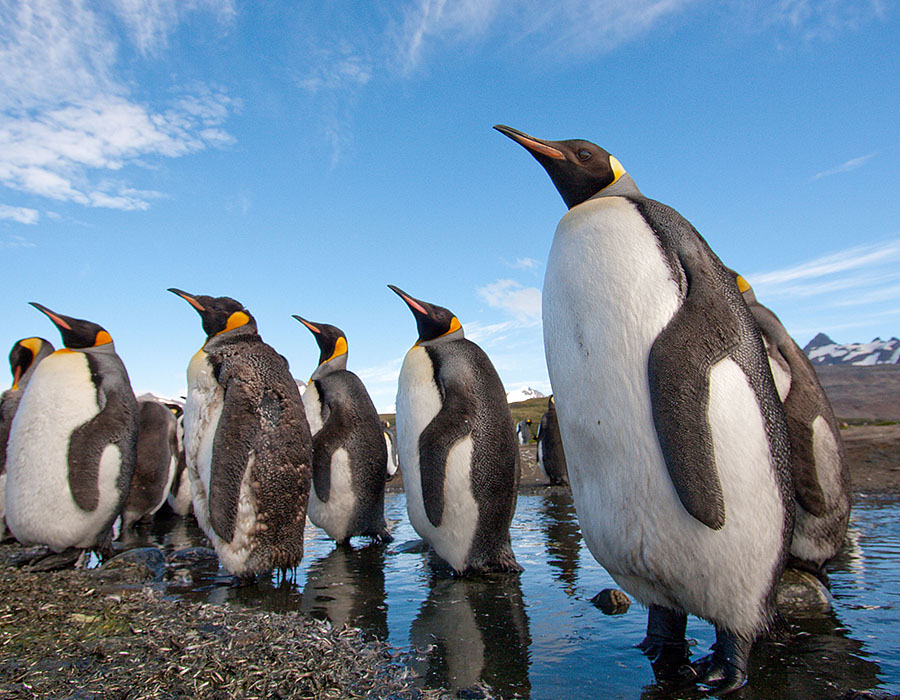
(583, 154)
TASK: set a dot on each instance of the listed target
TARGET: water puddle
(538, 636)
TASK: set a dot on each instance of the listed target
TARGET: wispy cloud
(846, 167)
(67, 121)
(823, 19)
(522, 303)
(18, 242)
(23, 215)
(151, 22)
(525, 264)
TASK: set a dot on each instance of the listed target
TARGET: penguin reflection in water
(72, 446)
(675, 440)
(349, 450)
(818, 459)
(457, 445)
(247, 443)
(24, 357)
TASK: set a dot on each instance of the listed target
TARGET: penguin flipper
(234, 441)
(702, 332)
(325, 443)
(113, 425)
(451, 424)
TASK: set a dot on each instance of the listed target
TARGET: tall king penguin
(247, 443)
(349, 451)
(676, 442)
(72, 445)
(818, 458)
(457, 445)
(23, 359)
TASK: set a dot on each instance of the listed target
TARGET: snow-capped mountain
(822, 350)
(523, 394)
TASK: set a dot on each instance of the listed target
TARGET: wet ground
(538, 635)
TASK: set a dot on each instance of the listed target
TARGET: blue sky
(300, 156)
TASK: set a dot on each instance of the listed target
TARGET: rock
(611, 601)
(190, 556)
(134, 566)
(801, 592)
(411, 547)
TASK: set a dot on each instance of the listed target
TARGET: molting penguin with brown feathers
(23, 359)
(247, 443)
(457, 445)
(818, 458)
(71, 450)
(349, 450)
(676, 442)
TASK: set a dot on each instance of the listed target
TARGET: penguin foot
(725, 670)
(665, 644)
(53, 561)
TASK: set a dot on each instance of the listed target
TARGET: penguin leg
(725, 670)
(665, 644)
(53, 561)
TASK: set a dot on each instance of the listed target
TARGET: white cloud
(67, 121)
(525, 264)
(815, 19)
(847, 167)
(23, 215)
(150, 22)
(523, 303)
(18, 242)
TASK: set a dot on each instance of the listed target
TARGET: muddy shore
(83, 634)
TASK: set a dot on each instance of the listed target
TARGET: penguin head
(435, 323)
(77, 334)
(579, 169)
(24, 354)
(743, 287)
(219, 314)
(332, 346)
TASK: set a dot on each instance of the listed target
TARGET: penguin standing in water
(23, 359)
(551, 457)
(157, 458)
(390, 443)
(247, 443)
(457, 446)
(72, 445)
(818, 459)
(179, 498)
(349, 451)
(676, 441)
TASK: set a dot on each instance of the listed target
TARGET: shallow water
(538, 636)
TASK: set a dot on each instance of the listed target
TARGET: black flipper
(115, 424)
(236, 434)
(703, 331)
(452, 423)
(325, 443)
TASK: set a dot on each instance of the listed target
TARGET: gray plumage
(821, 476)
(523, 431)
(551, 456)
(157, 456)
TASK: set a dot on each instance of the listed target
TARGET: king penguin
(23, 359)
(551, 457)
(247, 443)
(157, 459)
(818, 458)
(349, 451)
(457, 445)
(72, 444)
(676, 442)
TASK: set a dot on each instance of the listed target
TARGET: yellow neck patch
(455, 325)
(742, 284)
(340, 348)
(236, 320)
(617, 168)
(103, 338)
(33, 344)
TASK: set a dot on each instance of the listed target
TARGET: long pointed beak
(314, 329)
(188, 298)
(412, 303)
(58, 321)
(532, 144)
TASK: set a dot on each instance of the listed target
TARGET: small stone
(134, 566)
(611, 601)
(801, 592)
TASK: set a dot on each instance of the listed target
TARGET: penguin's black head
(219, 314)
(23, 355)
(331, 339)
(579, 169)
(433, 321)
(77, 334)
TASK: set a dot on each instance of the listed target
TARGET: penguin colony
(732, 461)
